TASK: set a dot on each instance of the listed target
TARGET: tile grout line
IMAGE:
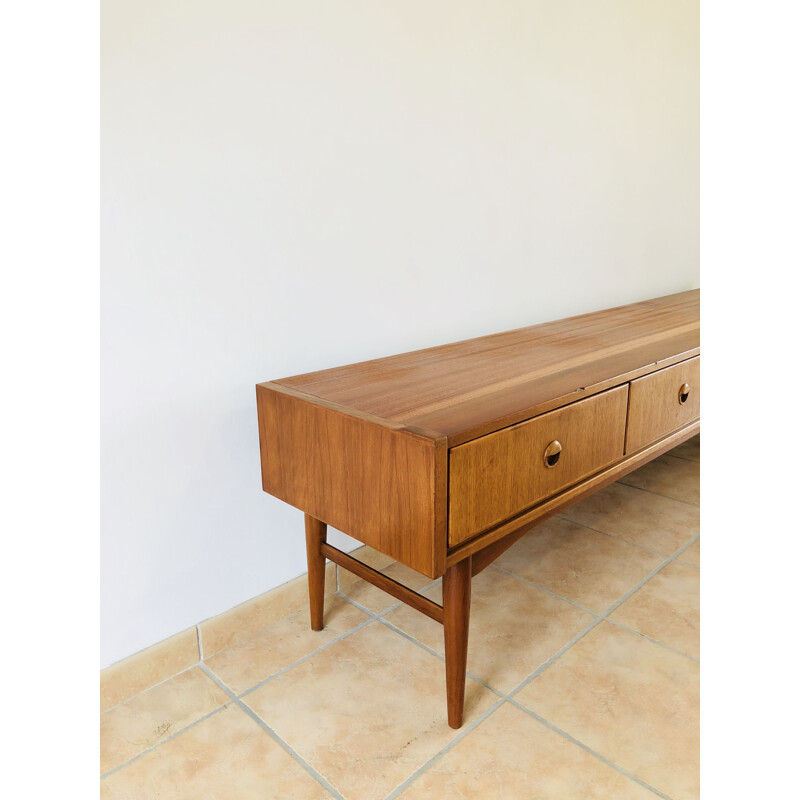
(507, 698)
(372, 617)
(449, 746)
(684, 458)
(202, 665)
(466, 729)
(610, 610)
(658, 494)
(595, 613)
(267, 729)
(299, 661)
(164, 741)
(430, 650)
(673, 454)
(588, 749)
(619, 538)
(666, 454)
(358, 605)
(560, 652)
(147, 689)
(503, 698)
(202, 658)
(651, 639)
(680, 551)
(205, 669)
(380, 618)
(544, 589)
(238, 699)
(194, 664)
(298, 758)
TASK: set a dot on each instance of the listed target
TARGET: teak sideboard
(443, 458)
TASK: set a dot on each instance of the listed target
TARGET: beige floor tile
(691, 555)
(134, 726)
(246, 619)
(511, 756)
(668, 476)
(366, 712)
(667, 609)
(630, 700)
(641, 518)
(148, 668)
(226, 756)
(369, 596)
(280, 644)
(513, 628)
(689, 449)
(584, 566)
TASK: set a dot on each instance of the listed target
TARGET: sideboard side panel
(373, 482)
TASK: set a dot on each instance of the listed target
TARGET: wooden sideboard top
(469, 388)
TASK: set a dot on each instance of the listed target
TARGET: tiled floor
(583, 677)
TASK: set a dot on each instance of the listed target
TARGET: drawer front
(660, 404)
(502, 474)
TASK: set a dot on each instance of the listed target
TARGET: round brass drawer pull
(551, 454)
(683, 393)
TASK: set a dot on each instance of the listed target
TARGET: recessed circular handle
(683, 393)
(551, 454)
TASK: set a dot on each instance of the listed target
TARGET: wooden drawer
(657, 406)
(501, 474)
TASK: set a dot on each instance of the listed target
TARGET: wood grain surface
(316, 533)
(655, 408)
(503, 473)
(376, 483)
(470, 388)
(558, 502)
(456, 598)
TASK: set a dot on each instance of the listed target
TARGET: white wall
(294, 185)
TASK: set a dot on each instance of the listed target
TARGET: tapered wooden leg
(456, 588)
(316, 534)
